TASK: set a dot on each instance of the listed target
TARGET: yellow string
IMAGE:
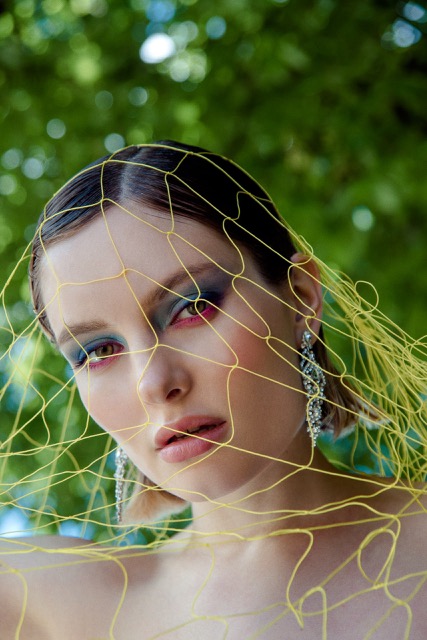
(386, 366)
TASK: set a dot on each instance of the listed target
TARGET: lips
(190, 438)
(186, 428)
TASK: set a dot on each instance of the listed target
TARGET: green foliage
(323, 101)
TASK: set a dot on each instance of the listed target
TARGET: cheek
(98, 404)
(108, 402)
(259, 368)
(266, 372)
(265, 391)
(266, 349)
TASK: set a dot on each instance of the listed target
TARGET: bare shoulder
(39, 575)
(22, 552)
(42, 555)
(22, 558)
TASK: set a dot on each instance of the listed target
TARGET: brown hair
(193, 183)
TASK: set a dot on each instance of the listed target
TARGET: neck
(307, 494)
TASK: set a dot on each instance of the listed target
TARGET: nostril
(172, 394)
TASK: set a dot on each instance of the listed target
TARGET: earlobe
(306, 291)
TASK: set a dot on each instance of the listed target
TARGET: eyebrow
(70, 331)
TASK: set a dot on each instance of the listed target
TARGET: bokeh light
(32, 168)
(363, 218)
(156, 48)
(405, 34)
(12, 158)
(160, 10)
(8, 185)
(414, 12)
(104, 100)
(138, 96)
(113, 142)
(56, 128)
(216, 27)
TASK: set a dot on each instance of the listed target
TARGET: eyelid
(82, 356)
(184, 300)
(213, 298)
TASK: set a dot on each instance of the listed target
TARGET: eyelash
(86, 357)
(212, 300)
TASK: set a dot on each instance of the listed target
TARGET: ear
(306, 291)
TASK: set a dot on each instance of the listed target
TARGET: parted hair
(193, 183)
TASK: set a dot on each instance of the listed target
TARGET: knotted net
(57, 465)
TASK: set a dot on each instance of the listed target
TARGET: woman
(191, 320)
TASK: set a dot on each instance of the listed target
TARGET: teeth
(203, 427)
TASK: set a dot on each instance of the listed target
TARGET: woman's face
(172, 333)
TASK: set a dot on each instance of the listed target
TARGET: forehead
(121, 240)
(132, 244)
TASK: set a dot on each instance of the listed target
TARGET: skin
(150, 364)
(166, 365)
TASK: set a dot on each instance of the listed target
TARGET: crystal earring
(119, 476)
(314, 382)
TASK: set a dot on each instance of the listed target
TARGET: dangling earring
(314, 382)
(119, 476)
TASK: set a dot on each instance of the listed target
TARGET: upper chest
(211, 600)
(193, 596)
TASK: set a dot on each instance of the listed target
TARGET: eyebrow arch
(70, 331)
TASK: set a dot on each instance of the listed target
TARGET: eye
(104, 351)
(195, 308)
(99, 354)
(199, 310)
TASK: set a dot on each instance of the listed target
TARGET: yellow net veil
(57, 466)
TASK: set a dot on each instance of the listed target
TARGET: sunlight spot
(363, 218)
(157, 48)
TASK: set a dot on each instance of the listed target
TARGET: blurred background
(324, 102)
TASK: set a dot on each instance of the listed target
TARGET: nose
(165, 377)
